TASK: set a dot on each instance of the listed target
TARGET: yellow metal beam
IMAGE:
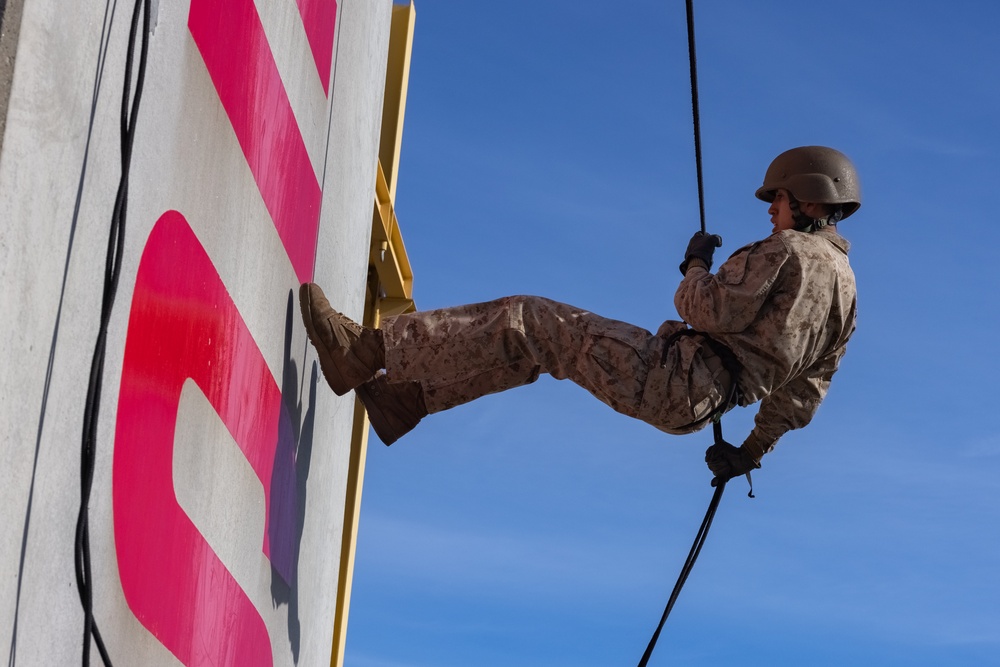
(396, 80)
(388, 253)
(352, 512)
(389, 291)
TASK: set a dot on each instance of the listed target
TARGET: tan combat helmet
(814, 174)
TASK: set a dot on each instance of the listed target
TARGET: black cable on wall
(112, 273)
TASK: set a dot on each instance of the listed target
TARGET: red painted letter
(183, 324)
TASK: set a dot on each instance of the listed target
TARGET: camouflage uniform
(784, 306)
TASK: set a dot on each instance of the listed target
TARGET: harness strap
(729, 362)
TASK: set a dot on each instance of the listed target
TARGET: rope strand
(693, 61)
(699, 540)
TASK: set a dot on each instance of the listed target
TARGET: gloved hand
(726, 462)
(701, 246)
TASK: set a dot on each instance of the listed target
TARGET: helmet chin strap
(803, 223)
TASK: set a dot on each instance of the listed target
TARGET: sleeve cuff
(693, 262)
(756, 446)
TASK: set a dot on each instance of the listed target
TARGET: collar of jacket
(830, 233)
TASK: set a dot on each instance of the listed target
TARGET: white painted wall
(187, 158)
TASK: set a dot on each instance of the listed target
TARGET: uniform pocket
(734, 270)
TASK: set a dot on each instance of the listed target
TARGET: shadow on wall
(292, 458)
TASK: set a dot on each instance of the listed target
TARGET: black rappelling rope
(706, 523)
(693, 60)
(112, 272)
(699, 541)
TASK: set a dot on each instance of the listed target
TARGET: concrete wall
(218, 496)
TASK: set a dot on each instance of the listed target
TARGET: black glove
(701, 246)
(726, 462)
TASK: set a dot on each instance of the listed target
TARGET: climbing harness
(729, 362)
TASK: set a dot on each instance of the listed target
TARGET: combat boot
(349, 353)
(394, 408)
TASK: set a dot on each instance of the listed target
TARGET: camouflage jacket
(786, 306)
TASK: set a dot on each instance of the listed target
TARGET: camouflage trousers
(462, 353)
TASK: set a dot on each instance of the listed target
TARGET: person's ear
(814, 210)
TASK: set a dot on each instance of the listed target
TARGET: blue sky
(548, 150)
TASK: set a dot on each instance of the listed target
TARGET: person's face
(780, 212)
